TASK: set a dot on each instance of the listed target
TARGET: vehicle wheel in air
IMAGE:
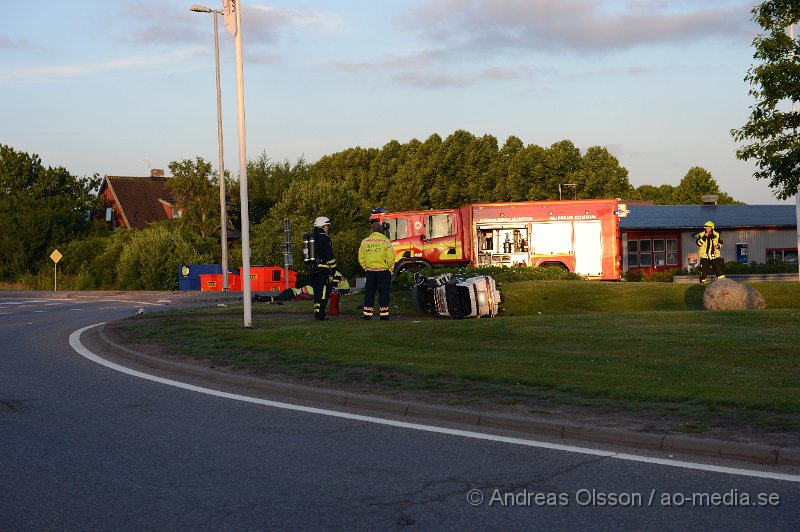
(422, 299)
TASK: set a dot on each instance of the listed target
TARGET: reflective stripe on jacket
(375, 253)
(324, 251)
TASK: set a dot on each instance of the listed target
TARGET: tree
(268, 181)
(42, 208)
(697, 183)
(304, 201)
(772, 130)
(601, 176)
(196, 191)
(556, 168)
(658, 195)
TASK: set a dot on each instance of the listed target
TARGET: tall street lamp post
(223, 216)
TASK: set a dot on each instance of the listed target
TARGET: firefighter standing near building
(376, 256)
(710, 248)
(323, 271)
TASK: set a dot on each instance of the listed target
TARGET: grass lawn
(613, 343)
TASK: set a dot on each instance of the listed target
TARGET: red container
(212, 282)
(270, 278)
(335, 303)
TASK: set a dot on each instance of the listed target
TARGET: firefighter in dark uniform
(709, 246)
(322, 274)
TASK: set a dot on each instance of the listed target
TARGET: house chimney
(709, 199)
(156, 172)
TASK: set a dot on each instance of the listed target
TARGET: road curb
(760, 454)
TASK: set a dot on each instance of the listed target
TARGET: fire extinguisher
(335, 303)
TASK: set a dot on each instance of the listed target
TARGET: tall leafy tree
(351, 167)
(695, 184)
(601, 176)
(771, 132)
(267, 181)
(42, 208)
(449, 164)
(304, 201)
(661, 195)
(560, 162)
(195, 188)
(508, 171)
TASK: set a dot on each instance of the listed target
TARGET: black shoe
(384, 318)
(366, 318)
(320, 318)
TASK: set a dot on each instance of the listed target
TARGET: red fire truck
(581, 236)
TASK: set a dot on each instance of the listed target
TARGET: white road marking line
(133, 302)
(75, 343)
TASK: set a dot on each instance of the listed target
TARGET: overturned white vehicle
(454, 297)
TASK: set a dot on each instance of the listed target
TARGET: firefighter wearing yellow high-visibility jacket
(376, 256)
(709, 246)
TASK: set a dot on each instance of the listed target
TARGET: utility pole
(797, 192)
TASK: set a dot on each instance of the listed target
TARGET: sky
(116, 88)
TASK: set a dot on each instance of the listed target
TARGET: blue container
(189, 274)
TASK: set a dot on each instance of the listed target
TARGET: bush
(633, 276)
(662, 276)
(755, 267)
(150, 259)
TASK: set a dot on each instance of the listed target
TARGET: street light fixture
(223, 216)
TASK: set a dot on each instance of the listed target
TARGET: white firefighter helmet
(321, 221)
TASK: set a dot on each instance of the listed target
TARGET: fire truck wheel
(555, 265)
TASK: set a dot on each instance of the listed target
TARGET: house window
(645, 253)
(788, 255)
(672, 252)
(657, 252)
(659, 255)
(633, 253)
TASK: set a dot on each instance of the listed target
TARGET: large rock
(727, 294)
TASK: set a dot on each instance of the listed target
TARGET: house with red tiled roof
(135, 202)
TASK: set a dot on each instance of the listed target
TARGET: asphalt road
(85, 447)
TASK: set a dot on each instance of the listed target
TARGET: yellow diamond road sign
(56, 256)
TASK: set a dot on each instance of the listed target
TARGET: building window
(633, 253)
(788, 255)
(672, 252)
(659, 256)
(645, 253)
(657, 252)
